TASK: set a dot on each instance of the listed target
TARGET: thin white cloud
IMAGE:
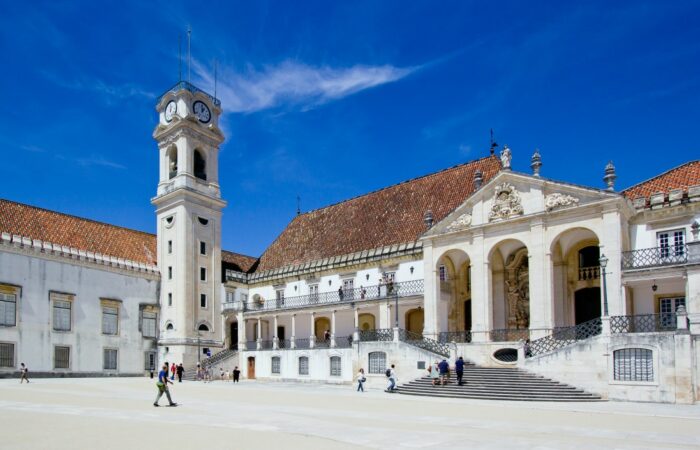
(111, 92)
(96, 160)
(294, 83)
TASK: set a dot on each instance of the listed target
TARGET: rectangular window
(335, 366)
(633, 364)
(442, 271)
(61, 315)
(275, 365)
(303, 365)
(148, 325)
(671, 244)
(61, 357)
(348, 289)
(229, 296)
(203, 300)
(8, 310)
(377, 362)
(667, 311)
(170, 272)
(150, 362)
(170, 247)
(279, 296)
(7, 354)
(203, 273)
(110, 359)
(170, 299)
(110, 320)
(202, 248)
(313, 293)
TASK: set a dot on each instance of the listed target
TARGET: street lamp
(604, 262)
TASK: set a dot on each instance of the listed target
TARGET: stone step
(552, 398)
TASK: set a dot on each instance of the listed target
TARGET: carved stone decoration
(506, 157)
(518, 290)
(556, 200)
(506, 203)
(460, 223)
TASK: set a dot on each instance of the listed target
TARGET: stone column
(292, 344)
(431, 293)
(241, 331)
(383, 324)
(333, 329)
(312, 338)
(539, 269)
(356, 332)
(482, 308)
(275, 338)
(259, 342)
(692, 298)
(611, 247)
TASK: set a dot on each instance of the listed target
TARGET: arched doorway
(366, 321)
(468, 315)
(414, 320)
(233, 340)
(454, 279)
(320, 326)
(251, 367)
(587, 304)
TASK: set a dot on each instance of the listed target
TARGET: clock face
(170, 111)
(202, 112)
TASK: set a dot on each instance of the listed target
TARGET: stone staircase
(499, 384)
(191, 373)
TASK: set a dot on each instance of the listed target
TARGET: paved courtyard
(118, 414)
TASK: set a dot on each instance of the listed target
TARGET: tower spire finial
(179, 57)
(189, 54)
(493, 143)
(298, 205)
(215, 77)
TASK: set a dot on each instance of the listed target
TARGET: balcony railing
(460, 337)
(420, 341)
(564, 336)
(193, 89)
(588, 273)
(655, 257)
(646, 323)
(251, 345)
(378, 292)
(302, 343)
(380, 334)
(510, 335)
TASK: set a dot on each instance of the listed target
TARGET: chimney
(536, 163)
(610, 176)
(428, 219)
(478, 179)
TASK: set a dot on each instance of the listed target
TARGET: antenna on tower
(179, 57)
(493, 143)
(189, 54)
(298, 205)
(215, 79)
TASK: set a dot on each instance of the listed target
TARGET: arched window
(169, 326)
(276, 365)
(335, 366)
(303, 365)
(200, 166)
(172, 162)
(633, 364)
(203, 327)
(377, 362)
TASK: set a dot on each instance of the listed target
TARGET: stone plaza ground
(117, 413)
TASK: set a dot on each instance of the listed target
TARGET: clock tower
(188, 209)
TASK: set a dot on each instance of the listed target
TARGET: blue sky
(329, 100)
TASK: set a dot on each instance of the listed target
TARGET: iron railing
(216, 357)
(343, 342)
(284, 344)
(233, 306)
(192, 88)
(588, 273)
(266, 345)
(251, 345)
(656, 256)
(322, 343)
(461, 337)
(379, 334)
(645, 323)
(302, 343)
(377, 292)
(563, 337)
(420, 341)
(510, 335)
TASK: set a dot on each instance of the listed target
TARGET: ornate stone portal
(518, 290)
(506, 203)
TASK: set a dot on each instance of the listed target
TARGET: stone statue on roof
(506, 157)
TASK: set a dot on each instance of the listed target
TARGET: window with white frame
(633, 364)
(671, 243)
(61, 357)
(348, 289)
(150, 360)
(7, 354)
(8, 309)
(377, 362)
(148, 323)
(203, 274)
(313, 293)
(203, 300)
(61, 315)
(202, 248)
(667, 310)
(442, 273)
(170, 299)
(110, 359)
(335, 366)
(303, 365)
(279, 296)
(110, 320)
(170, 247)
(230, 296)
(276, 365)
(170, 272)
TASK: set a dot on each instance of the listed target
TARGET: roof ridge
(396, 184)
(77, 217)
(240, 254)
(687, 163)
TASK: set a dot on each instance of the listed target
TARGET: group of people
(440, 372)
(206, 374)
(390, 374)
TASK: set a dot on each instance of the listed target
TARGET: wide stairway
(499, 384)
(191, 372)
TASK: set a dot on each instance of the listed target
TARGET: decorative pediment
(506, 203)
(460, 223)
(557, 200)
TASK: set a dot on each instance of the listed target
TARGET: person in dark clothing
(459, 368)
(444, 368)
(236, 374)
(341, 294)
(180, 370)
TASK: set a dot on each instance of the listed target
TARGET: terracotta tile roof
(392, 215)
(681, 177)
(238, 262)
(76, 232)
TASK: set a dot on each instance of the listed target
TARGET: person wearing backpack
(391, 374)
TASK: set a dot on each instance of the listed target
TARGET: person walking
(23, 371)
(361, 378)
(459, 368)
(172, 372)
(180, 371)
(391, 373)
(236, 374)
(444, 368)
(434, 373)
(162, 385)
